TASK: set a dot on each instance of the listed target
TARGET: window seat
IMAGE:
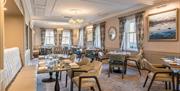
(25, 80)
(17, 77)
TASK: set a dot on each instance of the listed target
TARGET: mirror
(112, 33)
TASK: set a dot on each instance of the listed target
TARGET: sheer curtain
(66, 38)
(97, 41)
(49, 37)
(81, 38)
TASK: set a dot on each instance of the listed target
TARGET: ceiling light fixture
(75, 20)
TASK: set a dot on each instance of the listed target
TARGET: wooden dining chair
(89, 79)
(157, 73)
(117, 61)
(83, 67)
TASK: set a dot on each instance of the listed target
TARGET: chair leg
(109, 70)
(99, 87)
(145, 81)
(92, 88)
(66, 80)
(60, 74)
(173, 84)
(79, 88)
(166, 85)
(151, 83)
(138, 67)
(123, 70)
(169, 85)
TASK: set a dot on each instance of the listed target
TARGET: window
(66, 38)
(81, 38)
(49, 37)
(97, 42)
(129, 38)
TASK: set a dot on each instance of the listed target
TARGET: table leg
(125, 66)
(57, 86)
(50, 79)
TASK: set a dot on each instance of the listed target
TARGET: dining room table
(56, 65)
(173, 62)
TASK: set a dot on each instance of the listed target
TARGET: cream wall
(148, 46)
(162, 46)
(14, 33)
(36, 37)
(115, 43)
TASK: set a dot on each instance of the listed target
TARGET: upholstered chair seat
(86, 82)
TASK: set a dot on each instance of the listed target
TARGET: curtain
(122, 21)
(102, 29)
(139, 29)
(60, 38)
(71, 35)
(97, 41)
(94, 35)
(55, 36)
(81, 38)
(42, 36)
(84, 37)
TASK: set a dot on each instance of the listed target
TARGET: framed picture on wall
(163, 26)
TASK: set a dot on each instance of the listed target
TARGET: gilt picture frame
(163, 26)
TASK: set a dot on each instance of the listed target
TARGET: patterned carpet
(131, 82)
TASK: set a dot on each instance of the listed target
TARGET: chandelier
(75, 20)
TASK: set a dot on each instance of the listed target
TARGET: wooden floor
(131, 82)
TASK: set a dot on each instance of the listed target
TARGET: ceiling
(56, 13)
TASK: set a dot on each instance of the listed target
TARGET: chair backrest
(73, 57)
(97, 67)
(84, 61)
(117, 58)
(147, 65)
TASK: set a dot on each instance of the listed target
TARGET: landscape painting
(163, 26)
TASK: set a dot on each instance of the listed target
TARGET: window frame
(128, 34)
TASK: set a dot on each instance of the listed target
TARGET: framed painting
(163, 26)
